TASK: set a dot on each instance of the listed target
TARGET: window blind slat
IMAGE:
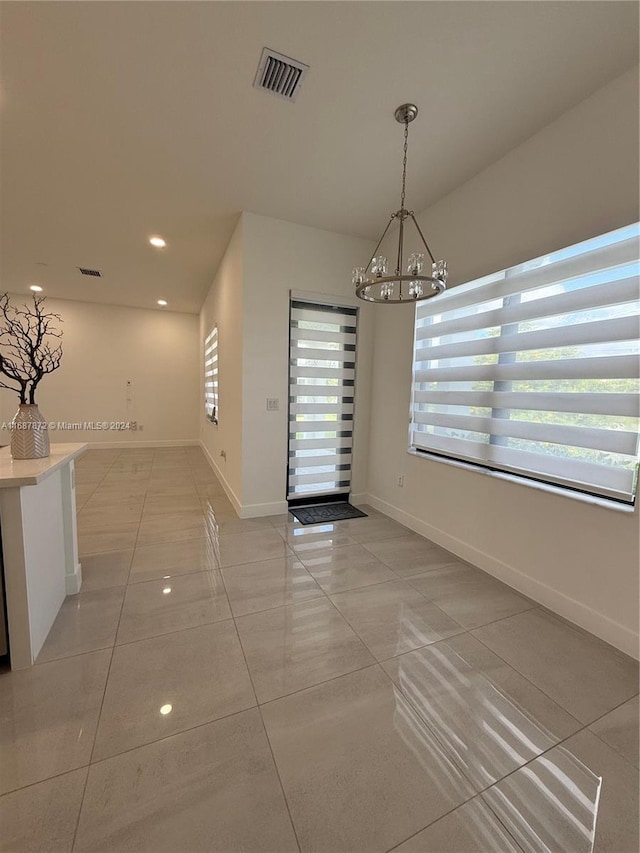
(322, 335)
(609, 294)
(525, 277)
(320, 449)
(611, 482)
(609, 440)
(321, 408)
(559, 402)
(300, 463)
(342, 374)
(612, 367)
(300, 390)
(624, 405)
(620, 329)
(305, 443)
(319, 426)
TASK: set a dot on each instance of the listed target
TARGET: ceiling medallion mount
(410, 284)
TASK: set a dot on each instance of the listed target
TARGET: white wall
(104, 347)
(223, 308)
(576, 178)
(278, 257)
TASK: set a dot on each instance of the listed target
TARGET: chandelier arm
(411, 214)
(384, 234)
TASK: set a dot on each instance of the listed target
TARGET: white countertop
(30, 472)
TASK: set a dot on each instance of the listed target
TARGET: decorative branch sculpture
(28, 346)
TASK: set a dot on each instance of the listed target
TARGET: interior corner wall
(279, 257)
(577, 178)
(223, 307)
(105, 347)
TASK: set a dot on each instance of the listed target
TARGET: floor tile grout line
(526, 678)
(98, 717)
(462, 770)
(253, 687)
(477, 796)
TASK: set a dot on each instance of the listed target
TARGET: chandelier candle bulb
(373, 283)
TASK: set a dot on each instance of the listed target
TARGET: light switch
(273, 404)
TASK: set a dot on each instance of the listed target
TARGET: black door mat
(326, 512)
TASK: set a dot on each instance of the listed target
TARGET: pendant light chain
(404, 162)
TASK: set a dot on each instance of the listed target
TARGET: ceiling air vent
(86, 271)
(280, 74)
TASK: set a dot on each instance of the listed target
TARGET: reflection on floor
(231, 685)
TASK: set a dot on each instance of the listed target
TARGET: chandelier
(373, 283)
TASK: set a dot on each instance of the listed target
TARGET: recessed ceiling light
(158, 242)
(36, 288)
(162, 302)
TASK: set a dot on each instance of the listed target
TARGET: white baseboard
(223, 480)
(132, 445)
(73, 582)
(359, 498)
(258, 510)
(580, 614)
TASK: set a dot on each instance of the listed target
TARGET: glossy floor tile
(173, 527)
(163, 606)
(315, 537)
(48, 718)
(212, 788)
(118, 537)
(468, 595)
(151, 562)
(578, 797)
(167, 684)
(293, 647)
(101, 571)
(471, 828)
(340, 569)
(393, 618)
(360, 769)
(85, 623)
(410, 554)
(261, 686)
(43, 817)
(373, 529)
(238, 548)
(270, 583)
(619, 728)
(487, 731)
(581, 673)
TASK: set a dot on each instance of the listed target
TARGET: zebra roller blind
(211, 375)
(321, 399)
(534, 370)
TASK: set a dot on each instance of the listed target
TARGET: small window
(211, 376)
(534, 370)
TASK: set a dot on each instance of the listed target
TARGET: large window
(534, 370)
(322, 371)
(211, 375)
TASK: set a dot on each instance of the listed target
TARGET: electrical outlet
(273, 404)
(400, 480)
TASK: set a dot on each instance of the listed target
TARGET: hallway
(256, 685)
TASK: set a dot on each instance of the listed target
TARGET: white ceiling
(121, 120)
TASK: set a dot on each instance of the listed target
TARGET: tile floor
(231, 685)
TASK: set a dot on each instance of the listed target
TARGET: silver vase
(29, 433)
